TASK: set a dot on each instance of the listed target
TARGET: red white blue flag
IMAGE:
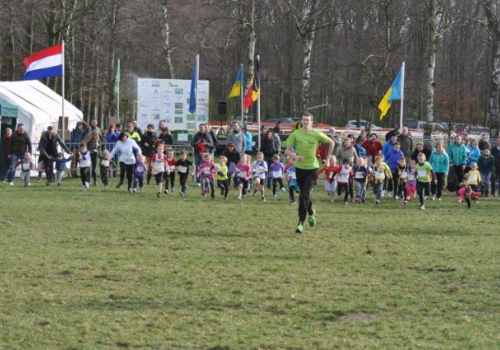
(45, 64)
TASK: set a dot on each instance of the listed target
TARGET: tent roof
(7, 109)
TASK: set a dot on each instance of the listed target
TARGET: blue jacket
(392, 159)
(474, 154)
(248, 137)
(440, 162)
(388, 146)
(457, 154)
(76, 136)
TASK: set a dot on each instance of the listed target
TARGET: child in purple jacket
(276, 172)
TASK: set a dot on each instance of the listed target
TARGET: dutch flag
(45, 64)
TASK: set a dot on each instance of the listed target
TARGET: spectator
(346, 151)
(269, 148)
(495, 154)
(5, 147)
(373, 148)
(202, 142)
(458, 158)
(421, 148)
(119, 128)
(484, 143)
(332, 134)
(92, 142)
(48, 152)
(19, 144)
(248, 141)
(361, 137)
(389, 145)
(111, 137)
(148, 147)
(136, 128)
(161, 125)
(214, 139)
(237, 138)
(76, 136)
(406, 142)
(92, 127)
(390, 134)
(165, 136)
(132, 134)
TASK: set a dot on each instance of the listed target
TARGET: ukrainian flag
(393, 94)
(238, 83)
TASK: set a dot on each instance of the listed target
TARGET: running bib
(293, 176)
(343, 178)
(243, 174)
(277, 174)
(158, 166)
(84, 163)
(379, 175)
(183, 169)
(403, 175)
(332, 174)
(172, 168)
(105, 163)
(206, 170)
(359, 175)
(422, 173)
(473, 178)
(411, 176)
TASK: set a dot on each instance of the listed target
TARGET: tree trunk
(307, 44)
(252, 39)
(494, 28)
(166, 39)
(431, 58)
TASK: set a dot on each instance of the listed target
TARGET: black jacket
(149, 137)
(427, 151)
(44, 141)
(268, 147)
(232, 157)
(19, 144)
(166, 139)
(209, 145)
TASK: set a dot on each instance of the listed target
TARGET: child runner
(402, 172)
(60, 162)
(473, 177)
(259, 180)
(221, 176)
(424, 173)
(291, 178)
(183, 165)
(206, 174)
(171, 167)
(158, 161)
(84, 164)
(361, 173)
(306, 140)
(106, 163)
(343, 179)
(244, 174)
(140, 171)
(26, 167)
(467, 193)
(276, 171)
(330, 182)
(380, 173)
(411, 184)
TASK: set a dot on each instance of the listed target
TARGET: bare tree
(491, 10)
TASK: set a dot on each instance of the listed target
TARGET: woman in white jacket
(127, 150)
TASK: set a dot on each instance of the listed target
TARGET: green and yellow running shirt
(221, 172)
(423, 172)
(306, 145)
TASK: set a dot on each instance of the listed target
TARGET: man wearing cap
(19, 144)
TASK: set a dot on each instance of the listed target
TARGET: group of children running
(348, 178)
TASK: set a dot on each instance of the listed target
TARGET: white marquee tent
(38, 106)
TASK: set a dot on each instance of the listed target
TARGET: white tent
(39, 106)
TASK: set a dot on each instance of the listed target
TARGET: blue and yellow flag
(393, 94)
(238, 83)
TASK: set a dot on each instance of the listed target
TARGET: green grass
(106, 270)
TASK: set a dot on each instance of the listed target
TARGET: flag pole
(258, 108)
(196, 91)
(241, 97)
(401, 112)
(118, 94)
(62, 92)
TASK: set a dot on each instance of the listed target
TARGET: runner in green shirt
(424, 172)
(306, 140)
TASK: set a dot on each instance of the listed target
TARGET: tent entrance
(5, 122)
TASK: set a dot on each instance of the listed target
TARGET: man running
(306, 141)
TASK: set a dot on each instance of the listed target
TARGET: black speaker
(222, 107)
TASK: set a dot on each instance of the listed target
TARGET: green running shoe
(311, 219)
(300, 228)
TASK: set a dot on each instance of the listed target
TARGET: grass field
(107, 270)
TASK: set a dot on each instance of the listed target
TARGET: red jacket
(372, 148)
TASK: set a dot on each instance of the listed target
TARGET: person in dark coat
(19, 144)
(269, 148)
(48, 151)
(421, 148)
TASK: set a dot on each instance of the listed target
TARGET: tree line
(334, 57)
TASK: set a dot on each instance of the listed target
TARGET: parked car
(362, 124)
